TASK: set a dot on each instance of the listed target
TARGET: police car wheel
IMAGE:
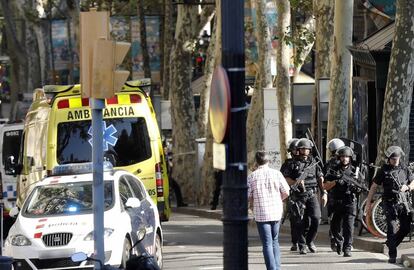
(158, 251)
(126, 252)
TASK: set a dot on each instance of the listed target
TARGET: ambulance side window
(124, 191)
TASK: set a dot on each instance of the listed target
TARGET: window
(138, 189)
(124, 191)
(127, 141)
(66, 199)
(11, 145)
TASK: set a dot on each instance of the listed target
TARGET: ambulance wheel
(158, 251)
(126, 252)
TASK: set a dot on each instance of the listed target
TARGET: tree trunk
(340, 70)
(15, 47)
(323, 12)
(168, 39)
(255, 117)
(282, 77)
(74, 13)
(398, 93)
(207, 172)
(301, 56)
(143, 38)
(182, 102)
(210, 64)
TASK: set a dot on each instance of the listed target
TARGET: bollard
(6, 263)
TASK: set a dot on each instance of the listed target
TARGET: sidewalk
(365, 242)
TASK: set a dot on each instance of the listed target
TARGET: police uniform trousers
(343, 218)
(398, 224)
(306, 228)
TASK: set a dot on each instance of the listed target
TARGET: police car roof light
(78, 168)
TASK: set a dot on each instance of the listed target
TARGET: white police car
(56, 221)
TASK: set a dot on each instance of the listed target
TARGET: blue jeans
(269, 235)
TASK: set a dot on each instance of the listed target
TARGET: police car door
(147, 213)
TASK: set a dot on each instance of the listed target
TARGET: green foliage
(302, 6)
(123, 7)
(300, 40)
(298, 35)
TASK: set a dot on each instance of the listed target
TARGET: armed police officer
(305, 178)
(397, 181)
(294, 154)
(342, 180)
(332, 146)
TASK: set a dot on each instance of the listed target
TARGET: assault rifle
(349, 179)
(299, 186)
(402, 196)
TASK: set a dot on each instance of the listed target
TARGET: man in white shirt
(267, 188)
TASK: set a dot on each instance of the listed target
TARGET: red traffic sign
(219, 111)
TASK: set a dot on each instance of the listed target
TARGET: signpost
(99, 58)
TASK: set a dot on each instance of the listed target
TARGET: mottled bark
(26, 45)
(282, 78)
(340, 83)
(74, 13)
(143, 38)
(15, 47)
(398, 93)
(210, 64)
(324, 17)
(204, 196)
(255, 117)
(182, 102)
(168, 40)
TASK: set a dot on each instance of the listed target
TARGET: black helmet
(345, 151)
(335, 144)
(292, 143)
(394, 151)
(304, 143)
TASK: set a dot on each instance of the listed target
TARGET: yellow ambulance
(58, 131)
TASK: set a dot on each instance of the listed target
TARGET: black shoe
(339, 249)
(302, 251)
(333, 246)
(347, 253)
(392, 260)
(312, 247)
(294, 247)
(213, 207)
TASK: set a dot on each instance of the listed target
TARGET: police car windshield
(126, 141)
(65, 199)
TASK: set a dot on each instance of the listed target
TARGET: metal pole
(235, 219)
(98, 186)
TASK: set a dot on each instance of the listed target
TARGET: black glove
(340, 182)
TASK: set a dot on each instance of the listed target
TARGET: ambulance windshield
(126, 141)
(65, 198)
